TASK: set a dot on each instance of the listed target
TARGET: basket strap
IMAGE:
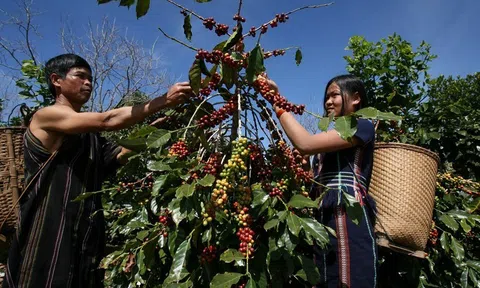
(368, 204)
(2, 237)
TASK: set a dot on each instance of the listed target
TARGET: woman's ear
(356, 99)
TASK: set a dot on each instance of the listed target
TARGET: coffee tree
(215, 197)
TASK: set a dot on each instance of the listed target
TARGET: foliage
(452, 117)
(219, 200)
(454, 242)
(437, 114)
(396, 78)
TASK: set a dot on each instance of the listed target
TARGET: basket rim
(415, 148)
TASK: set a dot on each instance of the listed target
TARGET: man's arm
(67, 121)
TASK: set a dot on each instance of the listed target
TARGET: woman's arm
(308, 144)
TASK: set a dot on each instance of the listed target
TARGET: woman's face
(334, 100)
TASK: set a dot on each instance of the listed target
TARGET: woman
(341, 167)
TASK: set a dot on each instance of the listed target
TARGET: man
(59, 243)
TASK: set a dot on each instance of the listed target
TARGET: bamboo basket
(403, 186)
(11, 173)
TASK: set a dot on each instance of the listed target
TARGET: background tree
(442, 115)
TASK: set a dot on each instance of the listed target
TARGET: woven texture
(11, 171)
(403, 186)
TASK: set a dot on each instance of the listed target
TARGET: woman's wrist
(279, 112)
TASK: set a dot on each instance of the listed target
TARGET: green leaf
(372, 113)
(180, 259)
(160, 181)
(353, 207)
(231, 255)
(315, 230)
(142, 7)
(293, 223)
(270, 224)
(233, 39)
(346, 126)
(300, 201)
(140, 262)
(142, 132)
(227, 73)
(444, 242)
(195, 76)
(311, 270)
(161, 241)
(202, 1)
(187, 27)
(158, 166)
(259, 195)
(207, 235)
(449, 221)
(133, 144)
(127, 3)
(186, 190)
(220, 46)
(207, 181)
(142, 234)
(464, 278)
(473, 278)
(255, 64)
(465, 225)
(86, 195)
(474, 264)
(158, 138)
(225, 280)
(302, 275)
(457, 248)
(298, 57)
(204, 70)
(103, 1)
(324, 123)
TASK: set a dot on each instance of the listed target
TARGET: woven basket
(11, 172)
(403, 186)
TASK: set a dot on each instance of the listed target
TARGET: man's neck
(62, 100)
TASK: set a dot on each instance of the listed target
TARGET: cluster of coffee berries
(218, 116)
(245, 235)
(447, 183)
(275, 53)
(213, 165)
(219, 193)
(165, 217)
(433, 236)
(209, 254)
(239, 18)
(204, 92)
(275, 98)
(243, 195)
(213, 57)
(208, 214)
(236, 164)
(139, 185)
(294, 161)
(232, 62)
(214, 81)
(255, 152)
(263, 29)
(179, 149)
(241, 215)
(221, 29)
(209, 23)
(252, 31)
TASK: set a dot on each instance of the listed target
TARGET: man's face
(77, 85)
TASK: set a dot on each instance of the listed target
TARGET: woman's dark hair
(348, 84)
(60, 65)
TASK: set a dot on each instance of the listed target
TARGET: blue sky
(451, 27)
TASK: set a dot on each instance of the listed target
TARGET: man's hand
(177, 94)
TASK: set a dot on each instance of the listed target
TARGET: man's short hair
(60, 65)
